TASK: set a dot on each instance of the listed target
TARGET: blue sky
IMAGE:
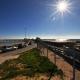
(34, 15)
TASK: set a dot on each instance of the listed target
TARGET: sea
(7, 43)
(10, 42)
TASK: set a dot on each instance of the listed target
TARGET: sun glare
(61, 40)
(62, 6)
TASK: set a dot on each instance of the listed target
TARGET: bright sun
(62, 6)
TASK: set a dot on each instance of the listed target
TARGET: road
(14, 54)
(68, 55)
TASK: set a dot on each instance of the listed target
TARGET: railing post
(43, 51)
(55, 59)
(74, 66)
(47, 52)
(37, 44)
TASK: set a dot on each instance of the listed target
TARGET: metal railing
(69, 54)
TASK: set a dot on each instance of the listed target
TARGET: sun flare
(62, 6)
(61, 40)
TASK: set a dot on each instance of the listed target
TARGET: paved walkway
(14, 54)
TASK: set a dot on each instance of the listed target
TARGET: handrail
(69, 57)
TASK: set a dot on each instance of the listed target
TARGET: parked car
(7, 48)
(20, 46)
(3, 49)
(15, 47)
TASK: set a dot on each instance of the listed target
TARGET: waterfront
(10, 42)
(14, 54)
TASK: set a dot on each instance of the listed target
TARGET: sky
(35, 18)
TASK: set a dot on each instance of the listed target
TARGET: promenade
(14, 54)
